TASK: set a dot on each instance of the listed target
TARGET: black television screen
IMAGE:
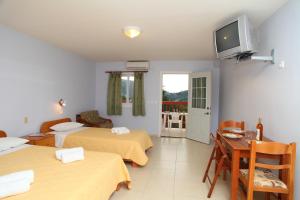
(228, 37)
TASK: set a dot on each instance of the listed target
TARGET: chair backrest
(2, 134)
(231, 124)
(287, 151)
(175, 116)
(90, 116)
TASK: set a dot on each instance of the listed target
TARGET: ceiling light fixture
(132, 31)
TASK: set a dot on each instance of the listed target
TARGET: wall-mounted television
(235, 37)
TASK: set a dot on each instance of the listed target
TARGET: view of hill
(179, 96)
(167, 96)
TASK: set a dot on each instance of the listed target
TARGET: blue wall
(34, 76)
(256, 89)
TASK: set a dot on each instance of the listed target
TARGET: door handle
(207, 113)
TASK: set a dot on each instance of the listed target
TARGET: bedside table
(45, 140)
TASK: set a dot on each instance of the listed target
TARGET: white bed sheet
(60, 136)
(14, 149)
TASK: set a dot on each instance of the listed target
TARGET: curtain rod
(125, 71)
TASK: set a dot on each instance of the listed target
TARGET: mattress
(95, 177)
(131, 146)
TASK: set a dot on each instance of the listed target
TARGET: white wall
(252, 89)
(152, 91)
(34, 76)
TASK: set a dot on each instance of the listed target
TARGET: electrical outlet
(25, 120)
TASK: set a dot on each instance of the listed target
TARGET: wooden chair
(2, 134)
(226, 126)
(222, 163)
(231, 124)
(265, 180)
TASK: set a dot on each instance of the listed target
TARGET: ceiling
(171, 29)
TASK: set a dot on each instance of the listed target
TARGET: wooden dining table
(240, 148)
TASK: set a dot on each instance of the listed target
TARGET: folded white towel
(14, 187)
(120, 130)
(21, 175)
(59, 153)
(16, 183)
(70, 155)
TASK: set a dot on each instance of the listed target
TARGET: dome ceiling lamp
(132, 31)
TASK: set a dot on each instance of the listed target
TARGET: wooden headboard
(45, 127)
(2, 134)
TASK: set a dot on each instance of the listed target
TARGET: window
(127, 88)
(199, 93)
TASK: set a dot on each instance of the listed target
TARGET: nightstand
(45, 140)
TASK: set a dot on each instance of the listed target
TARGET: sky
(175, 82)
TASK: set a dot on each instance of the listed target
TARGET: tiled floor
(174, 172)
(173, 132)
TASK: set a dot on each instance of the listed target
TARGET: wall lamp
(62, 103)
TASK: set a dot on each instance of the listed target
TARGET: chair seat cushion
(264, 178)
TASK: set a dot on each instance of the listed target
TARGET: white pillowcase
(11, 142)
(66, 126)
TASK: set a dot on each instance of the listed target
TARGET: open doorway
(174, 100)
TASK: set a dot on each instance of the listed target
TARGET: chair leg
(219, 169)
(224, 174)
(209, 164)
(249, 195)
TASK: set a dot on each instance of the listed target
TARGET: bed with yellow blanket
(94, 178)
(131, 146)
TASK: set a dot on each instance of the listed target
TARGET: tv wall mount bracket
(265, 58)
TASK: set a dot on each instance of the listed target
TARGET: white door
(199, 107)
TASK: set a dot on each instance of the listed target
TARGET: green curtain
(114, 97)
(138, 106)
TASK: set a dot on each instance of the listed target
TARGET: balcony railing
(174, 106)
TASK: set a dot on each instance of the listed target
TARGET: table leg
(235, 168)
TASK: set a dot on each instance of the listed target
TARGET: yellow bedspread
(130, 146)
(94, 178)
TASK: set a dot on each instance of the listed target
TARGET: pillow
(66, 126)
(11, 142)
